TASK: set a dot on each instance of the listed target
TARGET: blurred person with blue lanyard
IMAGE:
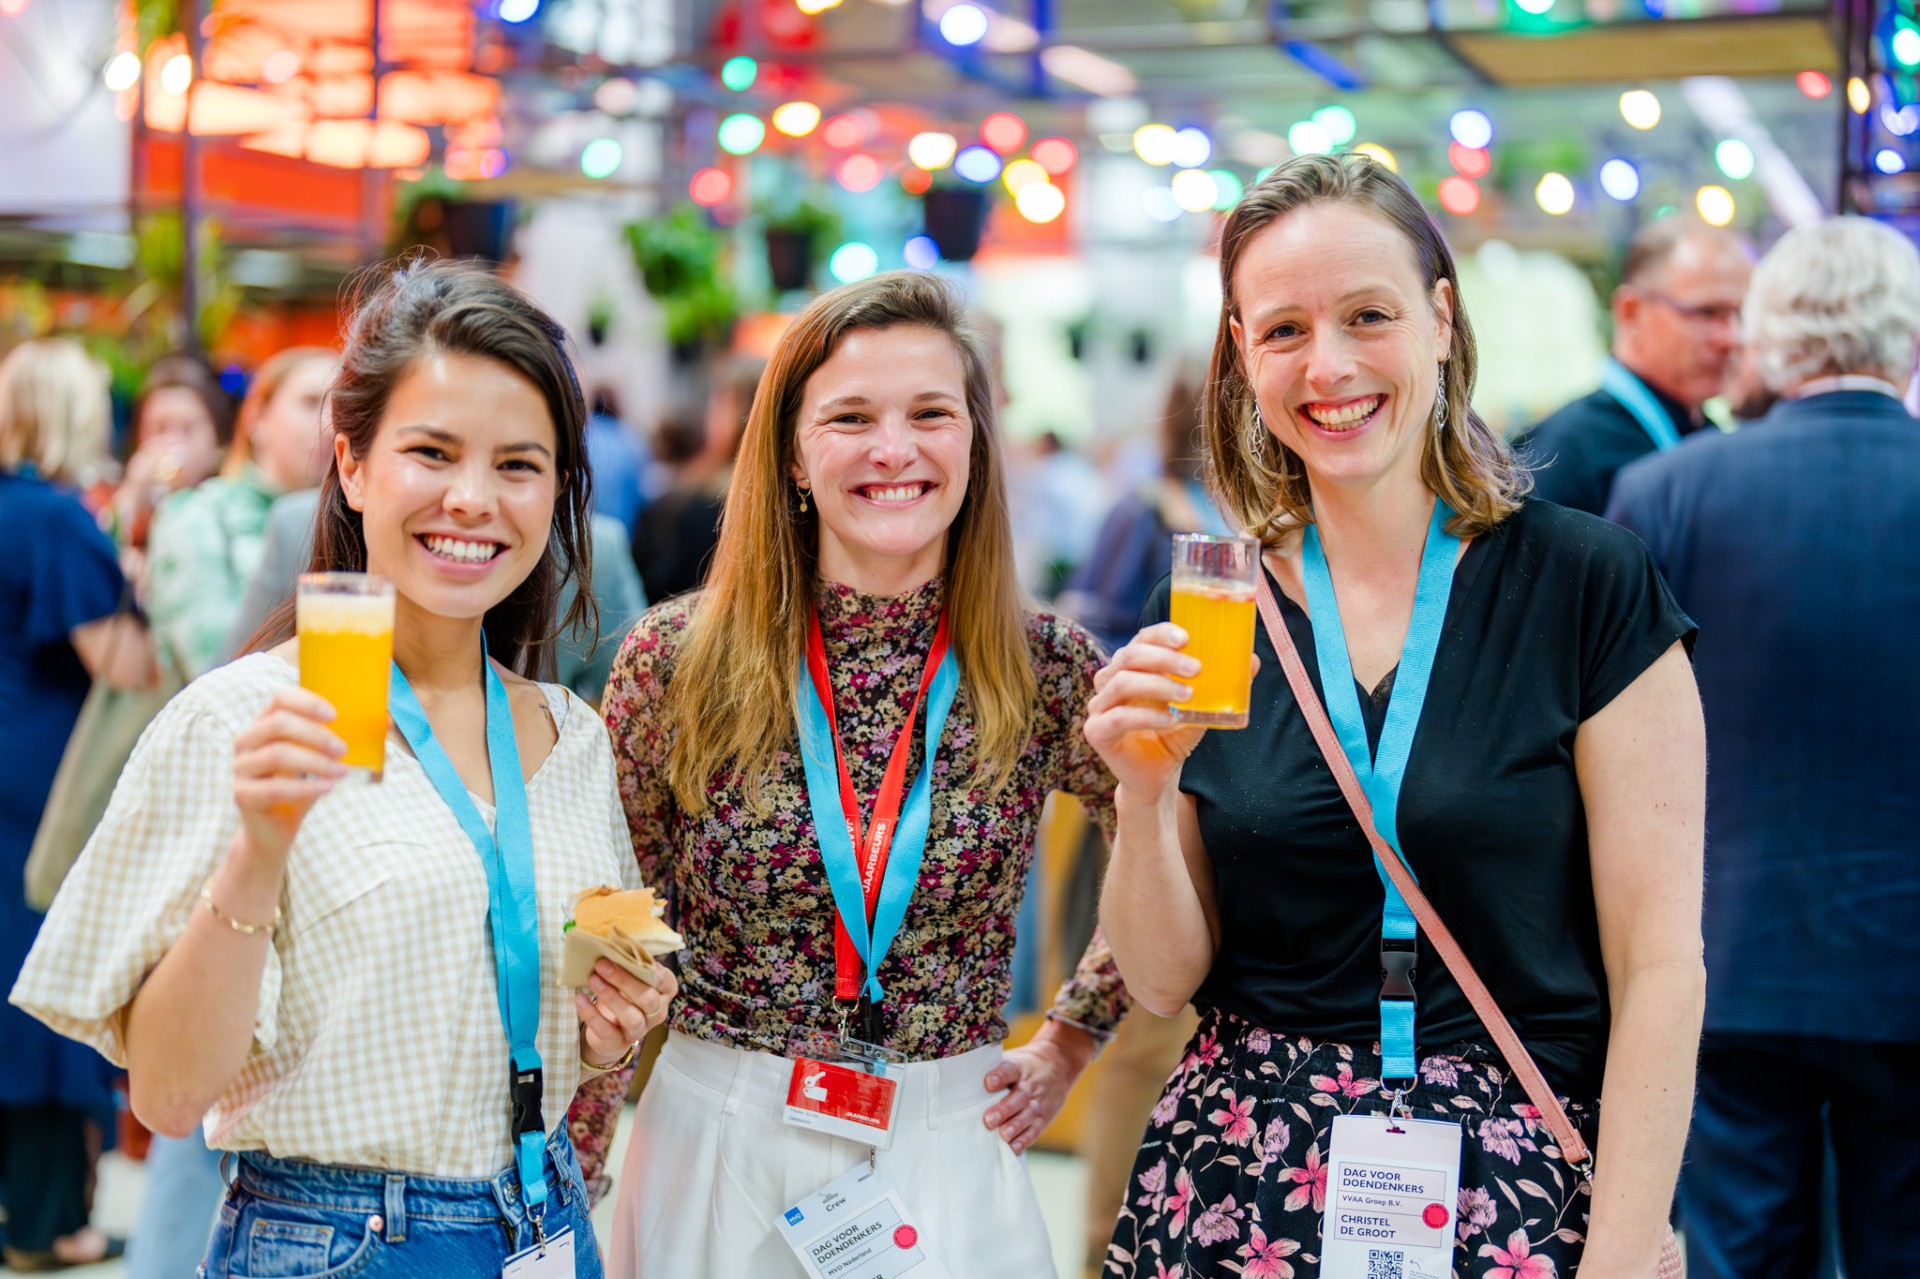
(352, 983)
(1676, 337)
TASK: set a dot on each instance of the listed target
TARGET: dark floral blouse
(750, 894)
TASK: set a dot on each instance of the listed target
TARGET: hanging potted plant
(798, 236)
(679, 258)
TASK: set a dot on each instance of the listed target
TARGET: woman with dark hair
(862, 622)
(1510, 679)
(311, 966)
(182, 424)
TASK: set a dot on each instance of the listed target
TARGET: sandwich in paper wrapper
(623, 926)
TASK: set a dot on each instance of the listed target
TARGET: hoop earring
(1440, 403)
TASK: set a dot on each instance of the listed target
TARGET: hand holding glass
(346, 656)
(1213, 588)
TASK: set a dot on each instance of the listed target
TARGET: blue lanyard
(512, 904)
(818, 755)
(1381, 773)
(1210, 516)
(1640, 403)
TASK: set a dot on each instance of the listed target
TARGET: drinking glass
(346, 656)
(1213, 581)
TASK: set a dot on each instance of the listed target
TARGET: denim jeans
(176, 1216)
(289, 1219)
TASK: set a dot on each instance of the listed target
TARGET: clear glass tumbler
(346, 656)
(1213, 587)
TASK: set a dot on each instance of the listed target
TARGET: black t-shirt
(1551, 616)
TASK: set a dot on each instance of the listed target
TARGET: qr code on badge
(1382, 1264)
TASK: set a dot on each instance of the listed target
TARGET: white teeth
(896, 493)
(1349, 413)
(466, 552)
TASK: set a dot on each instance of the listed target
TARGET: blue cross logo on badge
(795, 1216)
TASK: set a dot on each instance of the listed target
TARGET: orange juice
(346, 655)
(1218, 619)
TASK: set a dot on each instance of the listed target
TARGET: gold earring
(803, 499)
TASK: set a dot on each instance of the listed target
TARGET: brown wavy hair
(1467, 463)
(404, 312)
(738, 672)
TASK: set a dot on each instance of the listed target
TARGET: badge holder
(1393, 1184)
(844, 1087)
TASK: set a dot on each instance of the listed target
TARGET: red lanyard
(877, 842)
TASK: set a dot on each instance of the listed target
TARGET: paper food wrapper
(622, 947)
(583, 948)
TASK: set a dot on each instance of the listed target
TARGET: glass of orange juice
(346, 656)
(1213, 581)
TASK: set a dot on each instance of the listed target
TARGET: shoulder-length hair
(261, 391)
(739, 668)
(408, 311)
(1467, 463)
(55, 412)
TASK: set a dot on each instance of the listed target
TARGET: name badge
(858, 1228)
(844, 1088)
(550, 1260)
(1392, 1186)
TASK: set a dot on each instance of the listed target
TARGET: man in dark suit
(1675, 330)
(1795, 544)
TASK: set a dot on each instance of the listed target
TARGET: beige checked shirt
(378, 1042)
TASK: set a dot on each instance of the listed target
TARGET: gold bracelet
(625, 1059)
(251, 930)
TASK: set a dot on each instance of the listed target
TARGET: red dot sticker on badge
(905, 1236)
(1434, 1216)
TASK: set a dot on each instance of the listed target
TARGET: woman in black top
(1552, 807)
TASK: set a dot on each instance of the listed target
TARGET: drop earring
(803, 498)
(1257, 438)
(1440, 403)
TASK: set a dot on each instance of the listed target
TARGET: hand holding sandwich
(621, 993)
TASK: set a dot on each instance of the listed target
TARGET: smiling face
(1341, 340)
(883, 442)
(456, 492)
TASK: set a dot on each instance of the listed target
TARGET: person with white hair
(1796, 546)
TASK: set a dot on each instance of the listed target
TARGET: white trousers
(711, 1167)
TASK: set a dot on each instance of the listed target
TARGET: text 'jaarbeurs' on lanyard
(871, 887)
(1381, 772)
(512, 905)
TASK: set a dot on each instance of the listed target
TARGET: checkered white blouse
(378, 1041)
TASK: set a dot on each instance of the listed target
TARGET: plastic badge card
(1391, 1190)
(550, 1260)
(843, 1088)
(857, 1228)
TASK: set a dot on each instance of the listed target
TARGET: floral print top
(750, 894)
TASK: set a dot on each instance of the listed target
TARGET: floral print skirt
(1231, 1180)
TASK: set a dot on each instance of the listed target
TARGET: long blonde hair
(738, 671)
(1467, 463)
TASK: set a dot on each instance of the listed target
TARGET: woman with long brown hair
(860, 672)
(1506, 683)
(345, 978)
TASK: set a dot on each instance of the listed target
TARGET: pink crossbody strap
(1573, 1148)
